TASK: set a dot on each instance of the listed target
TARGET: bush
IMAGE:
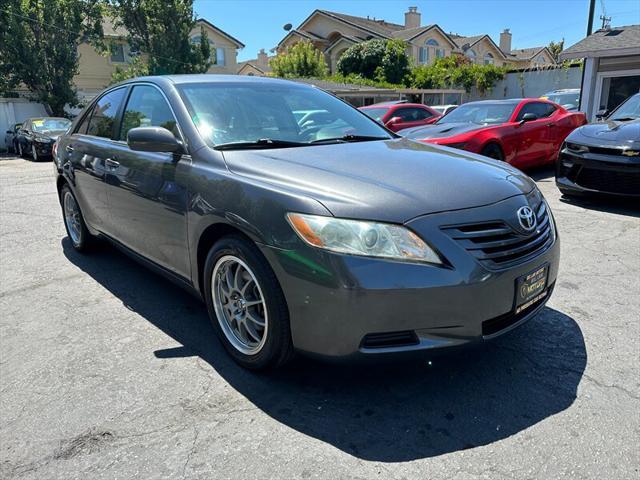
(456, 72)
(381, 60)
(302, 60)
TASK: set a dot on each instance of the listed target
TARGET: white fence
(531, 83)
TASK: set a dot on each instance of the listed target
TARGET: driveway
(108, 371)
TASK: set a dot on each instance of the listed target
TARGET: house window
(439, 52)
(471, 54)
(423, 55)
(117, 53)
(219, 59)
(488, 59)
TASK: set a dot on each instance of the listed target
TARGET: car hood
(609, 133)
(52, 134)
(392, 180)
(441, 130)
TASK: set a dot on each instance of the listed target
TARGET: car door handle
(111, 163)
(69, 148)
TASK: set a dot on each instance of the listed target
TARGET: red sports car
(398, 116)
(523, 132)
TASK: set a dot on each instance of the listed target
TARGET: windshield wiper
(625, 119)
(350, 138)
(260, 143)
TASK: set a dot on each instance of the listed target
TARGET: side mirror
(528, 117)
(153, 139)
(602, 113)
(393, 121)
(9, 131)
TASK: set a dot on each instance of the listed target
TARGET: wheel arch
(209, 236)
(494, 141)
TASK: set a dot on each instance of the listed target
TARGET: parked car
(339, 241)
(603, 158)
(567, 98)
(398, 116)
(10, 137)
(37, 136)
(523, 132)
(444, 109)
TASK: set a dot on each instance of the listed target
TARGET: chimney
(263, 58)
(505, 41)
(412, 18)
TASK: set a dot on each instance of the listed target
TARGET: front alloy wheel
(239, 305)
(246, 304)
(34, 153)
(20, 152)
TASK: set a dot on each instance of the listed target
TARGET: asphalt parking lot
(108, 371)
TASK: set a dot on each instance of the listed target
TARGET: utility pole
(605, 21)
(592, 9)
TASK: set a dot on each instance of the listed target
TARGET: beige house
(333, 33)
(95, 69)
(258, 67)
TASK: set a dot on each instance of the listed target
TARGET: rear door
(88, 150)
(146, 192)
(410, 117)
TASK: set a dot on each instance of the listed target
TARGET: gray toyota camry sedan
(304, 225)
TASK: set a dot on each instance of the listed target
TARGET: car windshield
(629, 110)
(269, 115)
(50, 124)
(480, 113)
(566, 100)
(375, 113)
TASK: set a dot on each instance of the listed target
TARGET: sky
(258, 23)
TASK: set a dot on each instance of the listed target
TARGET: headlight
(576, 148)
(459, 145)
(357, 237)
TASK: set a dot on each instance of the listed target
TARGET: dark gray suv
(303, 224)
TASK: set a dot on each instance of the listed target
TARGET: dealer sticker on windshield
(531, 288)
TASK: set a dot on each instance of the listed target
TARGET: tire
(11, 147)
(246, 290)
(494, 151)
(81, 240)
(20, 150)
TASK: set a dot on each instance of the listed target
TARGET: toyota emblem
(527, 218)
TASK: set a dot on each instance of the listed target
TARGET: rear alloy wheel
(77, 231)
(246, 304)
(493, 151)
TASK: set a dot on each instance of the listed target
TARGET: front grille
(390, 339)
(496, 324)
(496, 244)
(612, 181)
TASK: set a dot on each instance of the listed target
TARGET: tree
(382, 60)
(39, 46)
(556, 48)
(299, 61)
(161, 30)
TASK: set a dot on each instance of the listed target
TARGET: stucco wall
(420, 41)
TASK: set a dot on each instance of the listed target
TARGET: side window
(539, 109)
(147, 108)
(409, 114)
(422, 114)
(82, 126)
(104, 113)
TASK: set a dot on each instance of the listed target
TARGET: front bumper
(344, 305)
(598, 173)
(43, 149)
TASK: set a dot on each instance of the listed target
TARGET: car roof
(394, 105)
(209, 78)
(506, 101)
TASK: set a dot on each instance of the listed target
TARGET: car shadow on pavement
(380, 412)
(620, 206)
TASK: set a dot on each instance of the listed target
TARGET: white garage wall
(17, 110)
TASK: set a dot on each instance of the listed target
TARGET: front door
(146, 193)
(535, 137)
